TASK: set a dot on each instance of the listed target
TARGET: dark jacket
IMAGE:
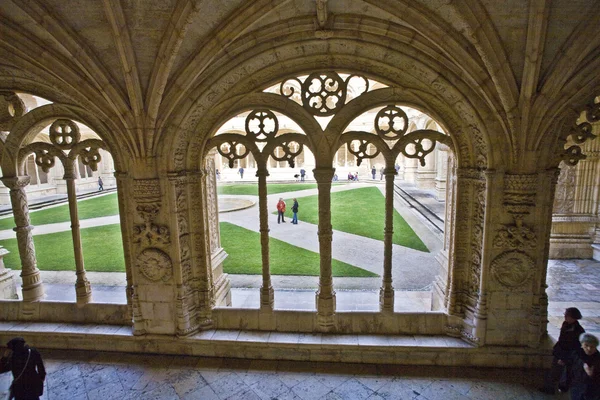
(568, 341)
(580, 377)
(31, 382)
(295, 207)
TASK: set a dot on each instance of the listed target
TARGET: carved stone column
(83, 288)
(325, 296)
(441, 171)
(426, 174)
(445, 257)
(386, 293)
(123, 193)
(154, 288)
(32, 282)
(481, 309)
(267, 297)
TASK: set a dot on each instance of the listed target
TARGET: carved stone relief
(515, 237)
(564, 198)
(512, 269)
(147, 194)
(155, 265)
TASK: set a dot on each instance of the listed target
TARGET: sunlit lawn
(272, 188)
(99, 206)
(243, 247)
(360, 212)
(54, 252)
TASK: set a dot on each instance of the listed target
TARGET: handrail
(420, 208)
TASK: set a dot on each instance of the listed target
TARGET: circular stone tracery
(155, 265)
(512, 269)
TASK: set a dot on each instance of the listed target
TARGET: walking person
(27, 369)
(564, 352)
(302, 174)
(373, 172)
(241, 171)
(100, 184)
(218, 174)
(381, 173)
(295, 211)
(280, 210)
(586, 370)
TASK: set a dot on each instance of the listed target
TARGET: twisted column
(83, 289)
(325, 296)
(267, 296)
(386, 293)
(33, 289)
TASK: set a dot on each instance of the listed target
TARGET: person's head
(589, 343)
(281, 199)
(16, 344)
(572, 314)
(294, 199)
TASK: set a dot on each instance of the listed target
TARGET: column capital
(323, 174)
(262, 171)
(16, 182)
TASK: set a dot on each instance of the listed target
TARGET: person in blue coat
(295, 211)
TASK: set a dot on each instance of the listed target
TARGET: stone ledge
(370, 349)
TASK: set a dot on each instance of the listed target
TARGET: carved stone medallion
(512, 269)
(155, 265)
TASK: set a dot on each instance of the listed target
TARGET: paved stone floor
(108, 376)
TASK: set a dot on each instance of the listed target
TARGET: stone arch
(30, 123)
(418, 78)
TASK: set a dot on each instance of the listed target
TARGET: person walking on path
(381, 173)
(564, 352)
(100, 184)
(241, 171)
(373, 172)
(302, 174)
(280, 210)
(27, 369)
(218, 174)
(586, 370)
(295, 211)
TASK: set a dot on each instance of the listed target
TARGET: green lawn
(54, 252)
(243, 247)
(360, 212)
(272, 188)
(99, 206)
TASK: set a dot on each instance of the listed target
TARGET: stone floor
(106, 376)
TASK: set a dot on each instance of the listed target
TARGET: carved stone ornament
(151, 234)
(516, 236)
(519, 193)
(512, 269)
(155, 265)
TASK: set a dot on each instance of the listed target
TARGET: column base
(325, 311)
(386, 300)
(83, 290)
(267, 299)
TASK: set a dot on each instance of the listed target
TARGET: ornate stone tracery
(513, 269)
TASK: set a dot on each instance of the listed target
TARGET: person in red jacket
(280, 210)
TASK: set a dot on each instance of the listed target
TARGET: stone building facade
(511, 86)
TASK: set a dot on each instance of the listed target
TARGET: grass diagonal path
(243, 246)
(54, 252)
(360, 212)
(99, 206)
